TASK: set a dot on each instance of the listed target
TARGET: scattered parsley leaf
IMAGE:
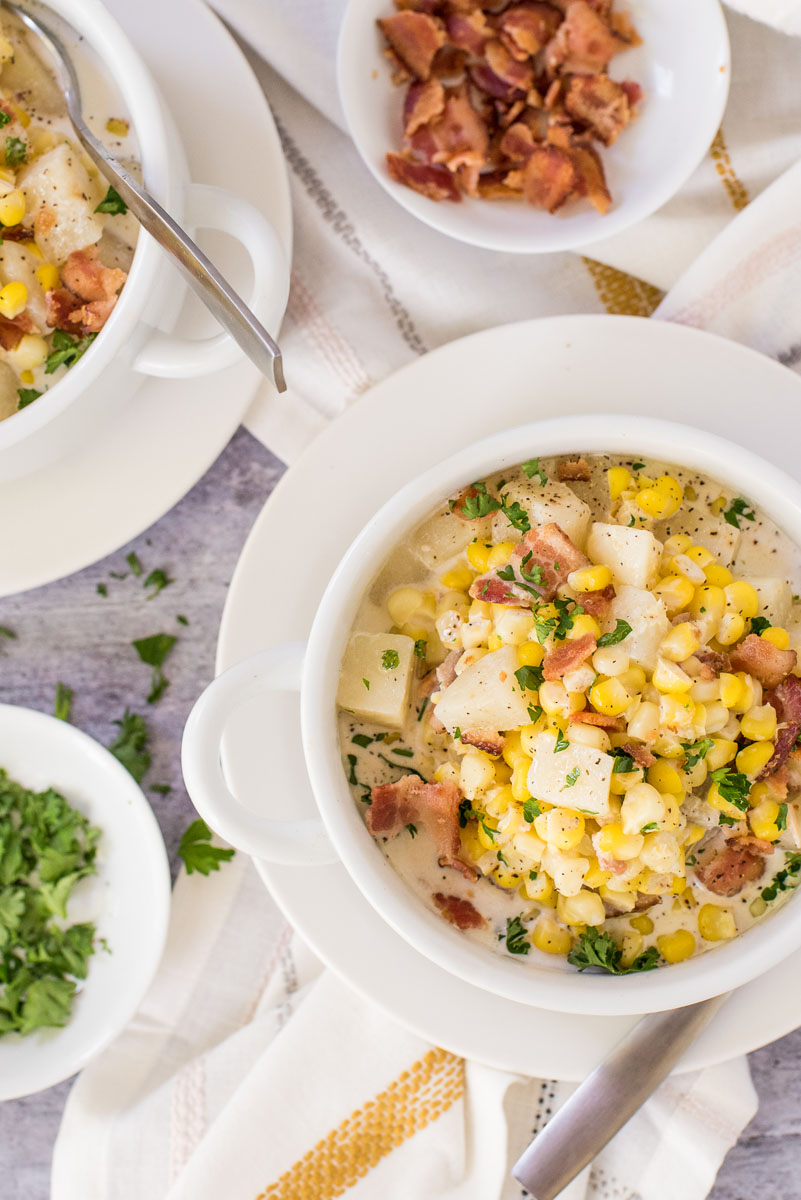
(561, 743)
(390, 660)
(16, 151)
(478, 503)
(101, 589)
(781, 820)
(4, 630)
(651, 827)
(26, 395)
(467, 813)
(130, 745)
(535, 711)
(197, 852)
(133, 562)
(571, 778)
(412, 830)
(638, 466)
(63, 705)
(158, 580)
(66, 350)
(161, 789)
(4, 118)
(420, 648)
(362, 739)
(695, 751)
(623, 762)
(759, 625)
(366, 683)
(158, 686)
(501, 859)
(733, 786)
(181, 619)
(784, 879)
(112, 203)
(532, 468)
(155, 649)
(595, 949)
(531, 809)
(529, 678)
(738, 508)
(622, 630)
(516, 515)
(403, 752)
(724, 820)
(516, 937)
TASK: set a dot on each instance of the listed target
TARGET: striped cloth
(249, 1072)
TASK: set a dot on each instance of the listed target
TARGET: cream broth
(545, 879)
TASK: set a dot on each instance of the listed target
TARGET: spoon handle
(608, 1098)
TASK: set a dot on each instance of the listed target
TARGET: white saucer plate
(453, 396)
(89, 504)
(128, 899)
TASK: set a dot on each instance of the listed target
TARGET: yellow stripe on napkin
(723, 165)
(621, 293)
(415, 1099)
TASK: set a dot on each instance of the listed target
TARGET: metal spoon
(201, 274)
(608, 1098)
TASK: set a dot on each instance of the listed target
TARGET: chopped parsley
(420, 648)
(571, 778)
(4, 630)
(101, 589)
(26, 395)
(66, 350)
(154, 651)
(531, 809)
(622, 630)
(478, 503)
(467, 813)
(516, 938)
(366, 683)
(759, 625)
(16, 151)
(158, 580)
(516, 515)
(595, 949)
(197, 852)
(501, 859)
(130, 746)
(695, 751)
(638, 466)
(390, 660)
(181, 619)
(651, 827)
(535, 711)
(724, 820)
(112, 203)
(561, 743)
(738, 508)
(733, 786)
(5, 118)
(161, 789)
(362, 739)
(532, 468)
(623, 762)
(784, 879)
(412, 829)
(781, 820)
(529, 678)
(63, 705)
(403, 752)
(133, 562)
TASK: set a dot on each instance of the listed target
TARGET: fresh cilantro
(651, 827)
(571, 778)
(695, 751)
(532, 468)
(161, 789)
(531, 809)
(561, 743)
(66, 350)
(420, 648)
(154, 651)
(529, 678)
(623, 762)
(101, 589)
(543, 627)
(158, 580)
(46, 848)
(158, 686)
(516, 515)
(535, 711)
(130, 745)
(26, 395)
(63, 705)
(738, 508)
(16, 151)
(197, 852)
(362, 739)
(784, 879)
(595, 949)
(112, 203)
(733, 786)
(390, 660)
(478, 503)
(622, 630)
(516, 937)
(781, 820)
(366, 683)
(412, 830)
(535, 574)
(133, 562)
(490, 832)
(759, 625)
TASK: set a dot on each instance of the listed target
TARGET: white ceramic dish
(646, 367)
(128, 899)
(59, 524)
(683, 67)
(315, 669)
(133, 346)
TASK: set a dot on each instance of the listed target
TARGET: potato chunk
(61, 199)
(632, 555)
(552, 501)
(443, 536)
(370, 660)
(485, 696)
(775, 597)
(576, 777)
(647, 616)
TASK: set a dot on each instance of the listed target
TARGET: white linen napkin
(250, 1073)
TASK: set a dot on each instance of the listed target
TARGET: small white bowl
(128, 899)
(682, 66)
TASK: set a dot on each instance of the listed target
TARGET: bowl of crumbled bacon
(531, 126)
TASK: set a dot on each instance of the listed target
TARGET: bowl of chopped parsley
(84, 899)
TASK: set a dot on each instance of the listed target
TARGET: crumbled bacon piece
(786, 699)
(488, 740)
(12, 329)
(423, 102)
(716, 660)
(518, 142)
(583, 43)
(469, 31)
(641, 754)
(593, 718)
(762, 659)
(410, 800)
(435, 182)
(574, 469)
(459, 912)
(568, 656)
(600, 103)
(518, 75)
(550, 178)
(90, 291)
(546, 547)
(597, 604)
(494, 590)
(525, 28)
(415, 37)
(740, 861)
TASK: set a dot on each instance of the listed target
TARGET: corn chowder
(569, 711)
(66, 237)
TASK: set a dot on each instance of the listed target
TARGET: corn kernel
(551, 938)
(659, 503)
(730, 629)
(612, 840)
(530, 654)
(590, 579)
(500, 554)
(486, 839)
(512, 750)
(26, 377)
(678, 543)
(458, 579)
(680, 564)
(680, 643)
(403, 604)
(778, 636)
(540, 888)
(609, 697)
(494, 641)
(676, 946)
(505, 876)
(478, 556)
(633, 680)
(753, 758)
(642, 924)
(664, 777)
(642, 807)
(708, 602)
(762, 820)
(22, 116)
(585, 908)
(721, 752)
(618, 478)
(718, 576)
(117, 126)
(476, 774)
(759, 723)
(701, 555)
(715, 924)
(750, 693)
(731, 689)
(578, 733)
(595, 876)
(582, 625)
(472, 847)
(48, 276)
(669, 678)
(554, 698)
(447, 773)
(12, 208)
(519, 784)
(559, 828)
(13, 298)
(676, 592)
(693, 834)
(742, 598)
(29, 354)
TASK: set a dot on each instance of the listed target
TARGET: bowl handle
(294, 843)
(205, 207)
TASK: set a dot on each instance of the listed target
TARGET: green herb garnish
(133, 562)
(785, 879)
(738, 508)
(66, 350)
(420, 648)
(695, 751)
(63, 705)
(733, 786)
(112, 203)
(516, 937)
(16, 151)
(622, 630)
(529, 678)
(158, 580)
(154, 651)
(130, 745)
(197, 852)
(26, 395)
(561, 743)
(479, 505)
(412, 830)
(532, 468)
(595, 949)
(531, 809)
(390, 660)
(571, 778)
(759, 625)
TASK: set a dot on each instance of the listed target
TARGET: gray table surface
(68, 632)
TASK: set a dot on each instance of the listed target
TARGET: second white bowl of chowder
(551, 704)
